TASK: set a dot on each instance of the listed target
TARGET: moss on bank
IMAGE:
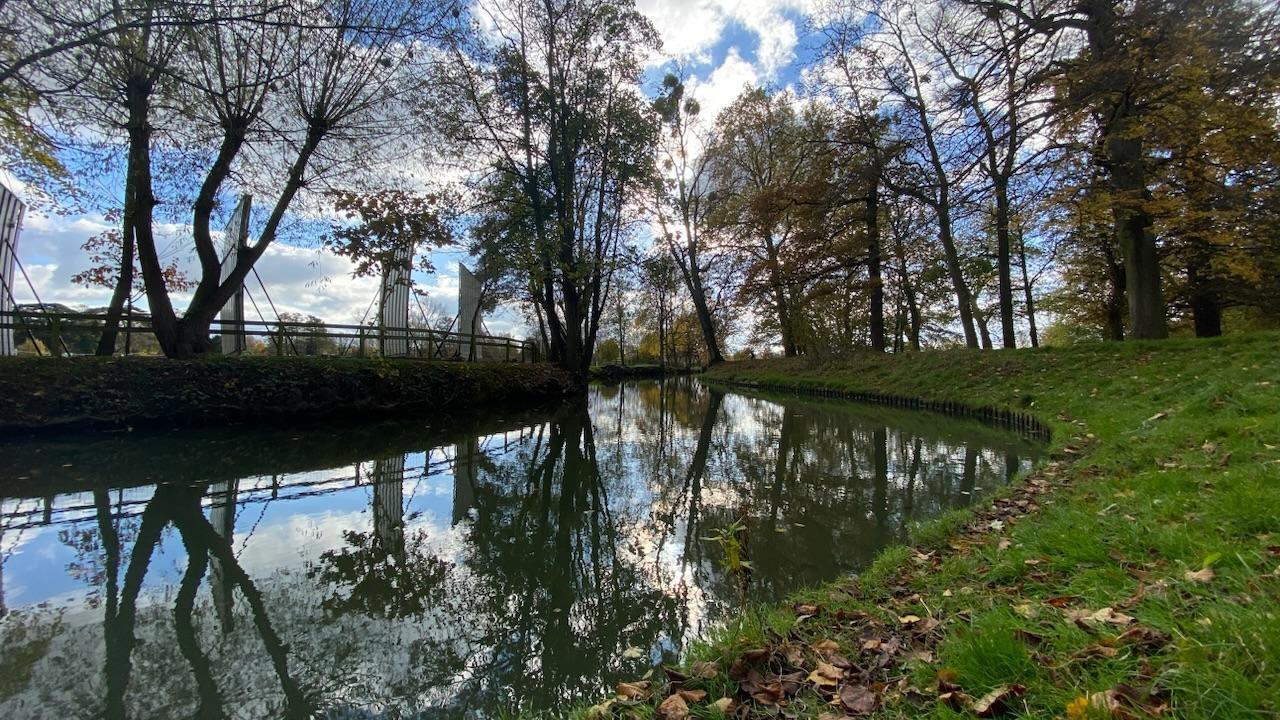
(44, 394)
(1135, 574)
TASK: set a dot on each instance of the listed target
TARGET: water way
(454, 569)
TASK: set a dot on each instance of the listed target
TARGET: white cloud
(724, 85)
(690, 28)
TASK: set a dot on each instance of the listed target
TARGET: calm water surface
(449, 570)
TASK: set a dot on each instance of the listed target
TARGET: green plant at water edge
(730, 541)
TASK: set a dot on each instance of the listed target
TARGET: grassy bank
(1135, 574)
(43, 394)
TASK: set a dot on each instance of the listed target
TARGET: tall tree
(547, 95)
(682, 204)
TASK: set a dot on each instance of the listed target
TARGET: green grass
(1167, 461)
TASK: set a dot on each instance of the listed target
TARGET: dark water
(455, 570)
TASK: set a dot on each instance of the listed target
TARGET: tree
(277, 98)
(109, 256)
(999, 70)
(874, 51)
(658, 284)
(380, 226)
(759, 163)
(682, 200)
(547, 97)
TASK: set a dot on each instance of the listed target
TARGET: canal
(445, 568)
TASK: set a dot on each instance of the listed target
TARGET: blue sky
(725, 44)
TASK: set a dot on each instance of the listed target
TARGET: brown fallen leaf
(673, 708)
(826, 675)
(1095, 652)
(638, 690)
(692, 696)
(1203, 575)
(1144, 636)
(1106, 615)
(998, 701)
(956, 700)
(724, 705)
(859, 700)
(1028, 637)
(705, 669)
(825, 647)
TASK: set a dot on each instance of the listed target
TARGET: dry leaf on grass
(673, 708)
(998, 701)
(858, 700)
(1203, 575)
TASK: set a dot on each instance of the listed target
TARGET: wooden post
(55, 336)
(280, 343)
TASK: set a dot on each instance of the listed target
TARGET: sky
(724, 45)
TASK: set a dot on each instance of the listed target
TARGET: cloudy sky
(725, 45)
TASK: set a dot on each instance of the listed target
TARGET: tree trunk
(781, 305)
(1008, 335)
(1206, 311)
(873, 266)
(1133, 233)
(908, 291)
(164, 321)
(964, 300)
(124, 285)
(1124, 161)
(697, 291)
(1028, 299)
(981, 321)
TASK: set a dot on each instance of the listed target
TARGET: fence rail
(66, 333)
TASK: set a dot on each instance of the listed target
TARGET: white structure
(468, 311)
(235, 239)
(394, 304)
(11, 212)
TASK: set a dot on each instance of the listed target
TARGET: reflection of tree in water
(585, 540)
(549, 556)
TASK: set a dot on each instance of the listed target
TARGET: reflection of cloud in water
(527, 562)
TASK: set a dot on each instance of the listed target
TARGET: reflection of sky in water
(622, 560)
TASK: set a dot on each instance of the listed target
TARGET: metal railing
(76, 333)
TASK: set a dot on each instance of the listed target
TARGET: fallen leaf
(1105, 615)
(724, 705)
(1028, 637)
(1026, 610)
(705, 669)
(955, 700)
(859, 700)
(1095, 652)
(826, 675)
(632, 653)
(674, 708)
(634, 691)
(692, 696)
(1203, 575)
(602, 711)
(825, 647)
(908, 619)
(1144, 636)
(997, 701)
